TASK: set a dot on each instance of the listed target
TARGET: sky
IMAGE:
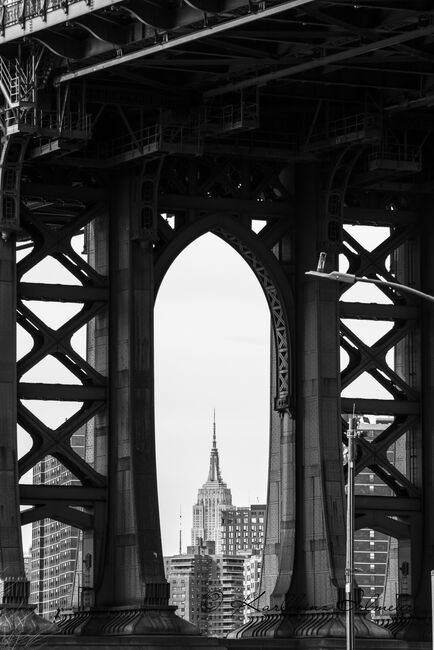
(212, 333)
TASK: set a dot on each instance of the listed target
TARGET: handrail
(23, 10)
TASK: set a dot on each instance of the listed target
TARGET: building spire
(214, 463)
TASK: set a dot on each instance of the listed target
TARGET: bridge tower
(218, 113)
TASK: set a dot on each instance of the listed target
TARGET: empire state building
(213, 497)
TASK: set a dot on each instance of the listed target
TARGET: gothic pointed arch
(267, 270)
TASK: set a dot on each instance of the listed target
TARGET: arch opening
(211, 334)
(212, 351)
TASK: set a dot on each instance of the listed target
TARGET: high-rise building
(213, 497)
(226, 588)
(242, 529)
(207, 584)
(189, 575)
(207, 589)
(252, 581)
(55, 545)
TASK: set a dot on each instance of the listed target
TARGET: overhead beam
(261, 209)
(376, 216)
(61, 392)
(183, 40)
(322, 61)
(379, 406)
(63, 192)
(371, 311)
(58, 512)
(74, 495)
(61, 293)
(391, 505)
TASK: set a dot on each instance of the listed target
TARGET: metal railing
(397, 153)
(156, 137)
(231, 117)
(344, 128)
(73, 125)
(144, 140)
(16, 84)
(20, 11)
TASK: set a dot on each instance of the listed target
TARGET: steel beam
(73, 495)
(369, 311)
(11, 552)
(62, 293)
(312, 64)
(391, 505)
(62, 192)
(255, 209)
(61, 392)
(380, 406)
(183, 40)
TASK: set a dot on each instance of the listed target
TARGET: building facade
(243, 529)
(226, 589)
(54, 574)
(252, 581)
(373, 550)
(188, 575)
(207, 589)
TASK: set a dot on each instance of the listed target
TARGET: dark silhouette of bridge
(310, 115)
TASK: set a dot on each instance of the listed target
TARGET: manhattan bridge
(145, 124)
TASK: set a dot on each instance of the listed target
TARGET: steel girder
(47, 226)
(400, 515)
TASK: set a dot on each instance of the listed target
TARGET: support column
(315, 598)
(12, 563)
(320, 539)
(17, 617)
(418, 362)
(135, 521)
(307, 599)
(133, 595)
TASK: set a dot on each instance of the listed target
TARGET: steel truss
(48, 222)
(401, 514)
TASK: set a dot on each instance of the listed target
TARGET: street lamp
(350, 601)
(350, 278)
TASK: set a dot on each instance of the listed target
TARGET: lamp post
(350, 278)
(349, 555)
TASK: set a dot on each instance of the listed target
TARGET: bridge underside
(143, 125)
